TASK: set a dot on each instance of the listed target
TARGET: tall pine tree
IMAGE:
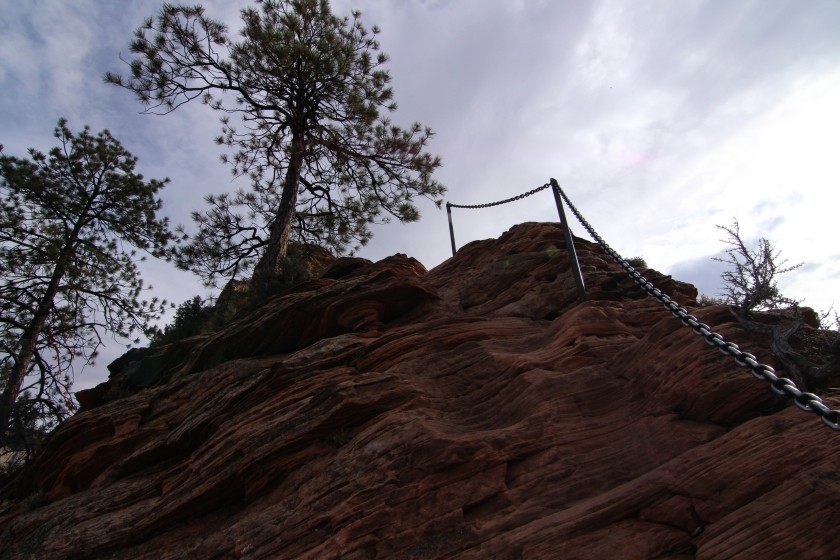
(304, 96)
(67, 274)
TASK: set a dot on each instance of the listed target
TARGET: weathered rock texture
(474, 411)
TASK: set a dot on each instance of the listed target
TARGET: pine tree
(67, 277)
(308, 90)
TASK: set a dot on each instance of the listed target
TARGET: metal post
(451, 230)
(570, 245)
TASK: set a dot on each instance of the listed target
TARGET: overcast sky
(660, 119)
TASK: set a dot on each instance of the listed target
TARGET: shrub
(637, 262)
(706, 300)
(192, 317)
(750, 283)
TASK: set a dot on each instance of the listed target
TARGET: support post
(570, 245)
(451, 230)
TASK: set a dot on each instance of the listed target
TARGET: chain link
(808, 402)
(505, 201)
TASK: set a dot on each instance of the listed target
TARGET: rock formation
(474, 411)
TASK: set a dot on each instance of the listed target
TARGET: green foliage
(637, 262)
(197, 316)
(31, 420)
(552, 252)
(750, 283)
(302, 96)
(67, 273)
(191, 318)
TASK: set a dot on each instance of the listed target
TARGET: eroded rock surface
(474, 411)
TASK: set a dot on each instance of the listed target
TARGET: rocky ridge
(477, 410)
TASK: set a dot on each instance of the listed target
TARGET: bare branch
(750, 282)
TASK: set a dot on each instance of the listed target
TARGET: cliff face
(474, 411)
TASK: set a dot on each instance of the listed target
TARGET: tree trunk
(271, 263)
(796, 366)
(29, 342)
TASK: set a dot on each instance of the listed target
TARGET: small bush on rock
(192, 317)
(637, 262)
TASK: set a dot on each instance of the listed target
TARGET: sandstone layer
(478, 410)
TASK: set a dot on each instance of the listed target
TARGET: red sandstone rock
(474, 411)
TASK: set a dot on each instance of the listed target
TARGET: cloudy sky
(660, 119)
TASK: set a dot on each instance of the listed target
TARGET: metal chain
(489, 204)
(782, 386)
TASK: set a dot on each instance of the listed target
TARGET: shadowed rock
(474, 411)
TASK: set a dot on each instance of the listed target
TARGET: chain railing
(567, 234)
(499, 202)
(782, 386)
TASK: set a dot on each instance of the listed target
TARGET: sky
(660, 120)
